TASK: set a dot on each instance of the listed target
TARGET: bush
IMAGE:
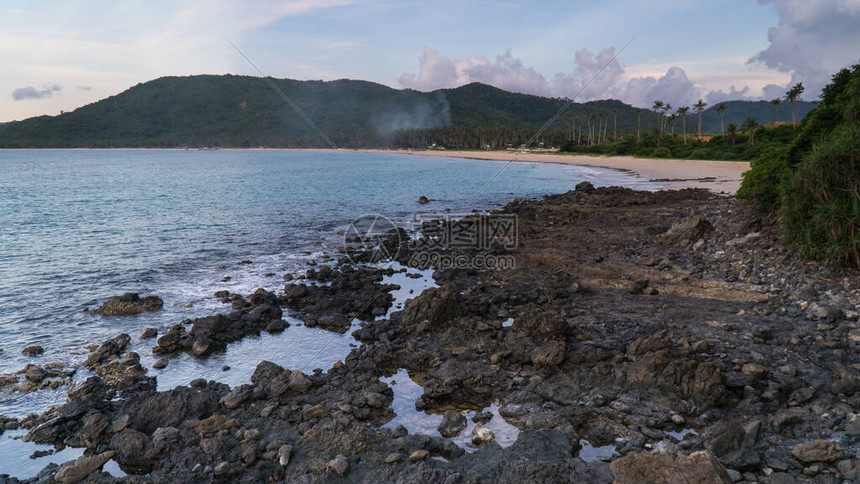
(767, 181)
(821, 208)
(814, 181)
(662, 152)
(700, 154)
(763, 183)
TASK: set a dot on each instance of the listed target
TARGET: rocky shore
(671, 328)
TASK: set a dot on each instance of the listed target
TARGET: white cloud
(595, 76)
(434, 72)
(733, 94)
(510, 73)
(674, 88)
(506, 73)
(813, 40)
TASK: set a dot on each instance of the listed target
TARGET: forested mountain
(243, 111)
(738, 111)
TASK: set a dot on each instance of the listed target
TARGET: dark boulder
(432, 308)
(131, 449)
(170, 409)
(584, 187)
(33, 351)
(129, 303)
(687, 232)
(452, 424)
(35, 373)
(541, 324)
(635, 468)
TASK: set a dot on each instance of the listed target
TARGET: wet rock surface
(740, 365)
(35, 377)
(128, 304)
(249, 316)
(349, 293)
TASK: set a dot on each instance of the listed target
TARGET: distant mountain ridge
(244, 111)
(738, 111)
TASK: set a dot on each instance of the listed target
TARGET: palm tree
(600, 128)
(587, 139)
(658, 107)
(700, 108)
(591, 129)
(605, 125)
(732, 130)
(751, 125)
(776, 102)
(666, 109)
(638, 125)
(720, 108)
(615, 125)
(792, 96)
(682, 113)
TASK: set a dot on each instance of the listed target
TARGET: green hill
(738, 111)
(243, 111)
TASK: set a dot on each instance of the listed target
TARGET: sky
(59, 55)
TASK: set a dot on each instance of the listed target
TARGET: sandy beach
(717, 176)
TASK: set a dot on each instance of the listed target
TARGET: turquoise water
(79, 226)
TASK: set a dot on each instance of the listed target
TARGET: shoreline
(716, 176)
(721, 177)
(499, 348)
(597, 296)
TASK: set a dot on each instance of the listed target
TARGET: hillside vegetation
(813, 181)
(243, 111)
(737, 112)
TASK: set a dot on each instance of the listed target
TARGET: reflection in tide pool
(680, 434)
(590, 453)
(296, 348)
(412, 282)
(112, 468)
(15, 455)
(406, 391)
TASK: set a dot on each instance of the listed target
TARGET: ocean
(80, 226)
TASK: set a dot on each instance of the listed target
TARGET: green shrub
(662, 152)
(814, 181)
(700, 154)
(764, 181)
(821, 206)
(771, 169)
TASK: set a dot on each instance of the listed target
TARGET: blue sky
(59, 55)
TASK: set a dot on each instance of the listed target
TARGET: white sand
(718, 176)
